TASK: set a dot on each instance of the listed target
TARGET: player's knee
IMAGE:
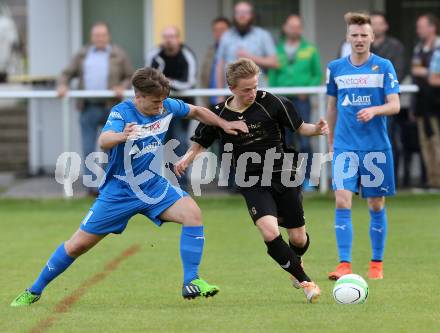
(298, 239)
(269, 235)
(193, 216)
(343, 202)
(75, 248)
(376, 204)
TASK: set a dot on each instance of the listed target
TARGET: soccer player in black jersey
(271, 201)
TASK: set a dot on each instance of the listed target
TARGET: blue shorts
(111, 215)
(371, 173)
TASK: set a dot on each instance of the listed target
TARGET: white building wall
(54, 34)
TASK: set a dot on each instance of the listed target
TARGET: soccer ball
(350, 289)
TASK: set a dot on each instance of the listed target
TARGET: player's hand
(131, 132)
(365, 115)
(234, 127)
(181, 166)
(322, 126)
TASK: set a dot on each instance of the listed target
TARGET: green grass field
(143, 293)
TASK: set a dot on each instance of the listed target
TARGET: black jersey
(266, 119)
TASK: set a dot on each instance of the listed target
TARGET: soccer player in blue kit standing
(362, 90)
(134, 134)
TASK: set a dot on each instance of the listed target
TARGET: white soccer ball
(350, 289)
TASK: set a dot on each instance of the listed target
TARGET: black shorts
(276, 200)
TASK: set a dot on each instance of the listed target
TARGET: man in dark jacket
(178, 63)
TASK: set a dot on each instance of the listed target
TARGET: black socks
(300, 250)
(286, 258)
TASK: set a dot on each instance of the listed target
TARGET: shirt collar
(107, 49)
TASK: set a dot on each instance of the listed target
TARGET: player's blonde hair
(243, 68)
(357, 18)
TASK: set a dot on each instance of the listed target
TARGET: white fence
(319, 91)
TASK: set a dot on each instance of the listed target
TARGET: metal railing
(319, 91)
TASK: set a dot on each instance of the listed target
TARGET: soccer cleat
(376, 270)
(199, 287)
(25, 298)
(311, 290)
(342, 269)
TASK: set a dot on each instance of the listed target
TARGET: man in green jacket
(299, 67)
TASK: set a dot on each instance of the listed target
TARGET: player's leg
(291, 217)
(185, 211)
(378, 235)
(346, 178)
(280, 251)
(377, 171)
(344, 233)
(58, 262)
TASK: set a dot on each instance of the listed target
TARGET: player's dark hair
(150, 81)
(357, 18)
(221, 19)
(432, 20)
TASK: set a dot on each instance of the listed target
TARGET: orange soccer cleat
(311, 291)
(342, 269)
(376, 270)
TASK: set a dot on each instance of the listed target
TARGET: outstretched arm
(320, 128)
(208, 117)
(186, 160)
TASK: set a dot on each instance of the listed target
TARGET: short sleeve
(115, 121)
(391, 84)
(177, 107)
(332, 89)
(287, 114)
(434, 66)
(205, 135)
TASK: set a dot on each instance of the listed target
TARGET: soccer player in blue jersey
(362, 90)
(134, 184)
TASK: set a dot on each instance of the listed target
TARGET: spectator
(386, 46)
(245, 40)
(178, 63)
(300, 66)
(427, 30)
(99, 65)
(208, 77)
(392, 49)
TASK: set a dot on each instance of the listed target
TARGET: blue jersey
(138, 161)
(356, 88)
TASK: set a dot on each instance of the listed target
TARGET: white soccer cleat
(311, 290)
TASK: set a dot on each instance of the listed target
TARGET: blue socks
(57, 263)
(344, 233)
(378, 233)
(191, 248)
